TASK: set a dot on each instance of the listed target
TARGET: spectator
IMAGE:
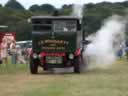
(28, 51)
(0, 57)
(13, 51)
(126, 52)
(20, 58)
(120, 53)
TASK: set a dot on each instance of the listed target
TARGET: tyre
(77, 65)
(45, 67)
(33, 67)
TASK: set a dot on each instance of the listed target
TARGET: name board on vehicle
(53, 44)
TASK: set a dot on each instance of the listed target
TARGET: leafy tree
(93, 15)
(89, 5)
(0, 5)
(91, 24)
(66, 9)
(23, 29)
(125, 3)
(47, 8)
(13, 4)
(35, 8)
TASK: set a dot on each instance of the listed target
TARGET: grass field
(15, 80)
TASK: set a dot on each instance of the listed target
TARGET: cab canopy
(55, 23)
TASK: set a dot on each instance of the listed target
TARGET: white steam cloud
(102, 51)
(78, 11)
(105, 43)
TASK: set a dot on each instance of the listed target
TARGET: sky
(57, 3)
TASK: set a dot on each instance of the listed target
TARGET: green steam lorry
(56, 43)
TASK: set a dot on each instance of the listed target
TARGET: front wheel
(77, 65)
(33, 67)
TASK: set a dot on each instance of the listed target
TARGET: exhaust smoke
(102, 51)
(104, 45)
(77, 11)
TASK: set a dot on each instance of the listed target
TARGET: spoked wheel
(33, 67)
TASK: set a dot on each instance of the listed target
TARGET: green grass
(15, 80)
(12, 68)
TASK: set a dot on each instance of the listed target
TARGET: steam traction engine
(56, 42)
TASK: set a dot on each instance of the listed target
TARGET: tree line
(15, 16)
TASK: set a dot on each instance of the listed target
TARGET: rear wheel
(33, 67)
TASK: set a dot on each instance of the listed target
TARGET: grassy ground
(15, 80)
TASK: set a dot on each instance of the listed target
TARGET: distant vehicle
(24, 44)
(56, 42)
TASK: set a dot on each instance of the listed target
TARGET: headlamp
(71, 56)
(35, 56)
